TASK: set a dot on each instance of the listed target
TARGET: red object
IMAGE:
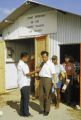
(40, 38)
(80, 74)
(31, 65)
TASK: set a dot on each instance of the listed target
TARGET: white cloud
(6, 11)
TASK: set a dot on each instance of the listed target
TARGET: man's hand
(37, 70)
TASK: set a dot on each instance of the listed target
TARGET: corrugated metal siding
(68, 32)
(68, 28)
(53, 45)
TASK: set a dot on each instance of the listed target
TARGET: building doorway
(13, 48)
(73, 50)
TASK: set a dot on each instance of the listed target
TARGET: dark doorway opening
(72, 50)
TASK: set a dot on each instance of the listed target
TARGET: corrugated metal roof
(71, 6)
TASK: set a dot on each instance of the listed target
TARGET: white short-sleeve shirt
(23, 69)
(47, 70)
(59, 68)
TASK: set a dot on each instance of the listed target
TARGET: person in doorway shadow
(70, 70)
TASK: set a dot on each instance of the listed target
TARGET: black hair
(54, 57)
(66, 56)
(23, 54)
(71, 59)
(44, 52)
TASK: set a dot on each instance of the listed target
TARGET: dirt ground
(9, 104)
(76, 114)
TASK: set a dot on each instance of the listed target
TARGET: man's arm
(31, 73)
(37, 70)
(64, 71)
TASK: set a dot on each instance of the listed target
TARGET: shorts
(59, 84)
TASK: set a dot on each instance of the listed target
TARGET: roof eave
(22, 9)
(14, 15)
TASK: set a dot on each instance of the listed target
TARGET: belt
(69, 75)
(46, 77)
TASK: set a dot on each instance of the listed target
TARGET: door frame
(46, 45)
(2, 67)
(80, 75)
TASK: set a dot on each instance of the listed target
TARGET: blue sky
(7, 6)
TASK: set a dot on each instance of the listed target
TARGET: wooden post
(80, 75)
(2, 66)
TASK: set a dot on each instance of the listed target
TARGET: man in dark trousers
(24, 83)
(47, 73)
(70, 71)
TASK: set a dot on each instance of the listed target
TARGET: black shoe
(21, 114)
(28, 115)
(68, 104)
(41, 112)
(46, 113)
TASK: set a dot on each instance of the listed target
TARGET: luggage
(65, 85)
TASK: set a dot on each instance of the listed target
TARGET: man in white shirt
(47, 73)
(24, 83)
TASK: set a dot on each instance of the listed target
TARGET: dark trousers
(68, 93)
(24, 103)
(45, 96)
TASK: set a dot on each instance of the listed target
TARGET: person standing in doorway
(24, 83)
(70, 70)
(46, 73)
(60, 74)
(31, 65)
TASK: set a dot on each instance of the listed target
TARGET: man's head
(45, 55)
(24, 56)
(54, 59)
(67, 59)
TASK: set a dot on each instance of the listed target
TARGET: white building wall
(35, 22)
(12, 31)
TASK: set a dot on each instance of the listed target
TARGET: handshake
(37, 70)
(33, 72)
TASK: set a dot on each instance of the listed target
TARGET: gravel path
(9, 104)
